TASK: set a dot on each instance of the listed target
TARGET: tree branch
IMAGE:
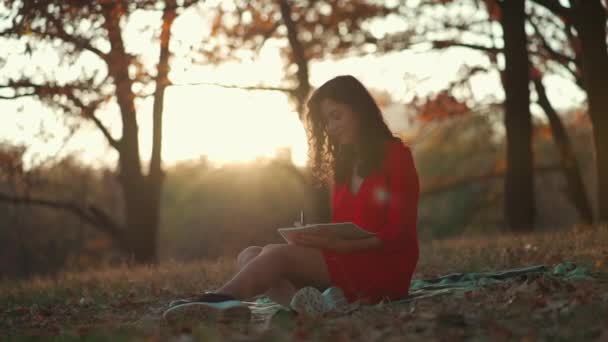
(161, 83)
(282, 89)
(93, 216)
(453, 184)
(88, 111)
(443, 44)
(44, 89)
(576, 187)
(555, 7)
(47, 90)
(16, 96)
(559, 57)
(556, 55)
(77, 41)
(106, 133)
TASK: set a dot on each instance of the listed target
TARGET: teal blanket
(457, 282)
(421, 288)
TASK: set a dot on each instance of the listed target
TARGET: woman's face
(342, 123)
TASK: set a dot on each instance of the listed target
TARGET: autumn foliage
(440, 106)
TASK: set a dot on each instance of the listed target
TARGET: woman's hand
(321, 240)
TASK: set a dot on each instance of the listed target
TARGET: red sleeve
(403, 188)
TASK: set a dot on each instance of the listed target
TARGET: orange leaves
(494, 10)
(217, 22)
(543, 132)
(581, 118)
(11, 159)
(98, 244)
(500, 165)
(535, 74)
(442, 106)
(262, 21)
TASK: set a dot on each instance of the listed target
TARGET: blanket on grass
(263, 308)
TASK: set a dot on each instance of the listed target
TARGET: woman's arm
(403, 189)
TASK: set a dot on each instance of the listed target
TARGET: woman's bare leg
(280, 293)
(301, 266)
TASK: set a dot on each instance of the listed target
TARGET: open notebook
(344, 230)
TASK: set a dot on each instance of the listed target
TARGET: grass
(125, 303)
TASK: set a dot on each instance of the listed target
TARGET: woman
(374, 184)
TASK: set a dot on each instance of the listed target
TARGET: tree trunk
(320, 194)
(590, 22)
(576, 186)
(139, 225)
(519, 182)
(600, 134)
(299, 57)
(142, 193)
(142, 224)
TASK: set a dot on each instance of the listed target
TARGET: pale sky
(231, 125)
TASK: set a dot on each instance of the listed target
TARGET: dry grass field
(124, 303)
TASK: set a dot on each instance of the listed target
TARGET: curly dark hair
(332, 161)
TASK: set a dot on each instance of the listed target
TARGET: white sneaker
(308, 301)
(311, 302)
(337, 302)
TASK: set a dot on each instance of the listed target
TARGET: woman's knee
(274, 248)
(277, 254)
(300, 265)
(247, 254)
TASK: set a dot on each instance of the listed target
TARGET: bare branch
(234, 86)
(16, 96)
(47, 90)
(44, 89)
(556, 55)
(88, 111)
(106, 133)
(443, 44)
(561, 58)
(91, 215)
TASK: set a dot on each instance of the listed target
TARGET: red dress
(386, 204)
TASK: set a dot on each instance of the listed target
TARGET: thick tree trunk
(590, 22)
(132, 181)
(142, 193)
(574, 179)
(600, 134)
(142, 221)
(519, 182)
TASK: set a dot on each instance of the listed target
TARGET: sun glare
(230, 125)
